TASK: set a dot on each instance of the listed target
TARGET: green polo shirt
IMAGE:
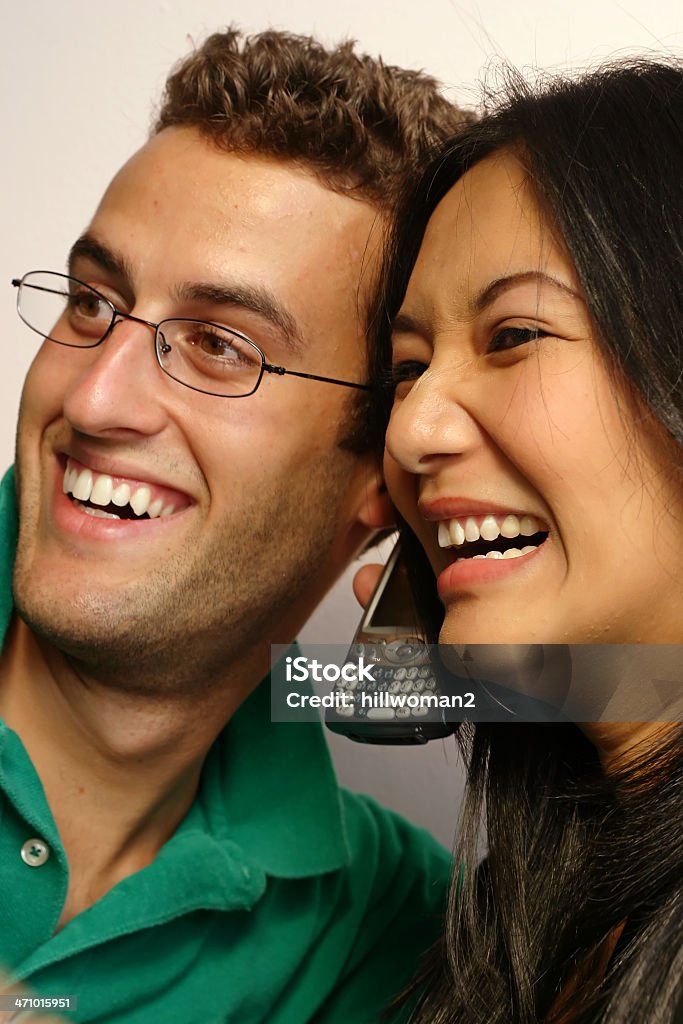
(281, 898)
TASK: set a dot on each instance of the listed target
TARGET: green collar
(268, 787)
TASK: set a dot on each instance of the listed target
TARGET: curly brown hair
(360, 125)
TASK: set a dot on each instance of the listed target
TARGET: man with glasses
(192, 475)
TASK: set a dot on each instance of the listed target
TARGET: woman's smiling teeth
(98, 489)
(475, 534)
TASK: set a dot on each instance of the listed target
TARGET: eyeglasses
(200, 355)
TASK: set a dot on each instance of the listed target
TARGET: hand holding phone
(389, 636)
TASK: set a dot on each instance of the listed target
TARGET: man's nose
(120, 386)
(433, 421)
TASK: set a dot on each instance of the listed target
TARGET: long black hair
(575, 858)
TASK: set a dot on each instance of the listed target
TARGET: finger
(365, 581)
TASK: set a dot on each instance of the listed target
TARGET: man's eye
(215, 345)
(217, 349)
(89, 305)
(512, 337)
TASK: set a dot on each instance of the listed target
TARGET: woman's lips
(464, 573)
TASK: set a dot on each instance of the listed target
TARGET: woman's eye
(406, 372)
(512, 337)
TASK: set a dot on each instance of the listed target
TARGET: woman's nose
(431, 422)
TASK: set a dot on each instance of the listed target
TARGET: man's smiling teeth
(99, 489)
(456, 532)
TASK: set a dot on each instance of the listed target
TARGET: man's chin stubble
(174, 634)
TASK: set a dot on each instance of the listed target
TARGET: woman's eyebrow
(406, 323)
(403, 323)
(491, 291)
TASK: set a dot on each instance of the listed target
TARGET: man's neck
(120, 772)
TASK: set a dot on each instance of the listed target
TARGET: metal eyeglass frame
(159, 343)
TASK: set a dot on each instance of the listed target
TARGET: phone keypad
(388, 680)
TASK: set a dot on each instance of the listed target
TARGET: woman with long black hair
(535, 452)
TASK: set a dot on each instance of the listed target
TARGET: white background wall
(78, 80)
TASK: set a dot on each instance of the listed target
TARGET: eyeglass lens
(201, 355)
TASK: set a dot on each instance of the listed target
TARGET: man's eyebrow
(253, 298)
(491, 291)
(87, 247)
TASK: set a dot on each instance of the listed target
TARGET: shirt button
(35, 852)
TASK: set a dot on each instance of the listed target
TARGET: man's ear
(375, 510)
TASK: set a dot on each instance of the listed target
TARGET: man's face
(265, 501)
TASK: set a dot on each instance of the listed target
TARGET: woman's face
(547, 508)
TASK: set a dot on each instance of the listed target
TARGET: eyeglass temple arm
(266, 366)
(18, 283)
(314, 376)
